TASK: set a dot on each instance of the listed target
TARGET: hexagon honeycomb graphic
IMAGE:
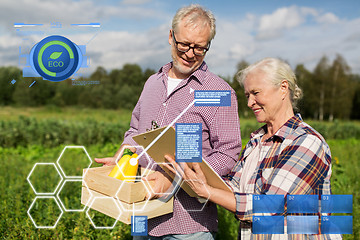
(72, 161)
(46, 178)
(110, 202)
(176, 181)
(67, 196)
(134, 209)
(43, 213)
(202, 201)
(42, 179)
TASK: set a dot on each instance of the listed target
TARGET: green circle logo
(55, 58)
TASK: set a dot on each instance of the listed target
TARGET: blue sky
(135, 31)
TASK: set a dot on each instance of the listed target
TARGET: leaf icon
(55, 55)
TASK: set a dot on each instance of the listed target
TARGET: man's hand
(160, 185)
(109, 161)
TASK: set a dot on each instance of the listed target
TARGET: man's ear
(170, 37)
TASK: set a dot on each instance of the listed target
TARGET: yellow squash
(127, 166)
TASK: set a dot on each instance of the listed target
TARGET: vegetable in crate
(126, 167)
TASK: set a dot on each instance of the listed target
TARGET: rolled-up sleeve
(134, 125)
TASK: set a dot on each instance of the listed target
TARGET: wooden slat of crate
(97, 179)
(153, 208)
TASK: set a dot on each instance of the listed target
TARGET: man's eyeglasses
(184, 47)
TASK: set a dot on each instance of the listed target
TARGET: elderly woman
(285, 156)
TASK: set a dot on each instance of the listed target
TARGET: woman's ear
(284, 87)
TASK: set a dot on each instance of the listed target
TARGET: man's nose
(190, 53)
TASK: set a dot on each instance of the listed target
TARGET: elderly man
(165, 95)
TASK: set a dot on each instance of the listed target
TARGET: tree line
(119, 88)
(330, 91)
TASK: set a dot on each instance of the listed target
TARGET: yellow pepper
(128, 166)
(131, 168)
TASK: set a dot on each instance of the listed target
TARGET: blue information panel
(336, 224)
(336, 203)
(268, 225)
(302, 203)
(302, 224)
(213, 98)
(268, 203)
(139, 226)
(188, 142)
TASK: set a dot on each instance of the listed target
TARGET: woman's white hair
(277, 71)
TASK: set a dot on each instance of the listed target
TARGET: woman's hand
(194, 176)
(196, 179)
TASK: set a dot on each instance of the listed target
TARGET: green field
(30, 136)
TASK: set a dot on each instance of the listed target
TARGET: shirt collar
(198, 75)
(284, 131)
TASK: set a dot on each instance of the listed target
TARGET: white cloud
(328, 18)
(306, 11)
(41, 11)
(273, 25)
(300, 35)
(110, 49)
(9, 50)
(307, 43)
(118, 48)
(233, 41)
(307, 35)
(282, 18)
(135, 2)
(68, 11)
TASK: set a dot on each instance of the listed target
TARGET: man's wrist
(120, 151)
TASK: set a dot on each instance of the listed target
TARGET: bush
(337, 130)
(52, 132)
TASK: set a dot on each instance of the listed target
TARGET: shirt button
(164, 104)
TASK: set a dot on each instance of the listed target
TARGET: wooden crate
(98, 180)
(153, 208)
(101, 185)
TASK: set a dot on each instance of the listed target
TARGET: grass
(66, 113)
(17, 195)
